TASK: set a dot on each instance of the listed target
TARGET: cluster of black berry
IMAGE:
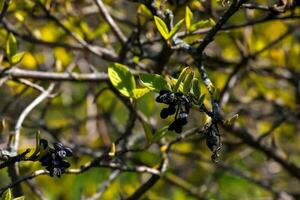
(179, 105)
(53, 159)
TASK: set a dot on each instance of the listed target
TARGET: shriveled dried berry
(164, 113)
(177, 102)
(54, 161)
(213, 140)
(182, 119)
(172, 109)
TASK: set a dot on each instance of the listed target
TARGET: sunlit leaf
(198, 25)
(212, 22)
(188, 18)
(112, 150)
(232, 119)
(11, 46)
(139, 92)
(6, 195)
(201, 100)
(144, 11)
(17, 58)
(180, 78)
(162, 27)
(187, 84)
(175, 29)
(122, 79)
(153, 81)
(20, 198)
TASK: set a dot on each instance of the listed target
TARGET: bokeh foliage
(252, 62)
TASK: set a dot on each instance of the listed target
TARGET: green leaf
(37, 144)
(212, 22)
(11, 46)
(159, 134)
(17, 58)
(148, 131)
(144, 11)
(122, 79)
(175, 29)
(180, 78)
(139, 92)
(196, 88)
(20, 198)
(188, 82)
(198, 25)
(162, 27)
(201, 100)
(153, 81)
(232, 119)
(6, 195)
(188, 18)
(214, 91)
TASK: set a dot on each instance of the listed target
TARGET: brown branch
(115, 28)
(14, 159)
(54, 76)
(235, 5)
(139, 169)
(4, 9)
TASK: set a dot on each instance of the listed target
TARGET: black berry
(177, 102)
(53, 160)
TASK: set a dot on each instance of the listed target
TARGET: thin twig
(115, 28)
(55, 76)
(4, 9)
(14, 143)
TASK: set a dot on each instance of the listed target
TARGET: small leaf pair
(8, 196)
(191, 27)
(163, 29)
(11, 50)
(151, 136)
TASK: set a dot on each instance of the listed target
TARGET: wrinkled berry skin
(164, 113)
(182, 119)
(179, 105)
(53, 160)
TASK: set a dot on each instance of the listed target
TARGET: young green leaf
(144, 11)
(175, 29)
(19, 198)
(6, 195)
(198, 25)
(122, 79)
(214, 91)
(159, 134)
(188, 18)
(37, 144)
(162, 27)
(212, 22)
(201, 100)
(11, 46)
(188, 82)
(17, 58)
(148, 131)
(139, 92)
(112, 152)
(180, 78)
(196, 88)
(153, 81)
(232, 119)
